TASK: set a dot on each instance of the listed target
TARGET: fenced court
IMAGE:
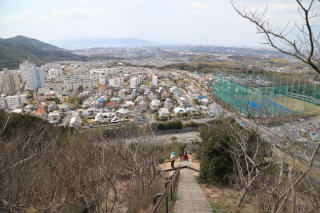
(262, 94)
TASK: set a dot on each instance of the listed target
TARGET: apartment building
(13, 102)
(32, 76)
(9, 82)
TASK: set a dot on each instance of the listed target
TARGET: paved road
(190, 196)
(181, 137)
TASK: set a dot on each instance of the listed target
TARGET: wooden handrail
(182, 167)
(170, 185)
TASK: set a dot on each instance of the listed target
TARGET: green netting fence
(262, 96)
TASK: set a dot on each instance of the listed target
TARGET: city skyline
(201, 22)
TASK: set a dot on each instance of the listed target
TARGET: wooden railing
(170, 188)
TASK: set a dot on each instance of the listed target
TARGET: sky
(194, 22)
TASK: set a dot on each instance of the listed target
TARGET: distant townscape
(94, 93)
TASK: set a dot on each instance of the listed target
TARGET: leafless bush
(280, 179)
(48, 169)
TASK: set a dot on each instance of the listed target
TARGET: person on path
(172, 159)
(185, 155)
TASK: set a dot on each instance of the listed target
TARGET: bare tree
(249, 153)
(282, 182)
(47, 170)
(137, 158)
(290, 188)
(300, 41)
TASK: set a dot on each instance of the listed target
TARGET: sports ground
(296, 105)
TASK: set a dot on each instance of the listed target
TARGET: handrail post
(172, 180)
(167, 204)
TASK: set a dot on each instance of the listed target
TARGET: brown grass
(227, 199)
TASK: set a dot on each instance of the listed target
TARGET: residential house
(216, 111)
(111, 105)
(193, 110)
(140, 118)
(53, 107)
(64, 107)
(168, 103)
(179, 111)
(142, 106)
(128, 104)
(41, 113)
(29, 108)
(163, 113)
(90, 113)
(54, 117)
(123, 112)
(154, 105)
(104, 117)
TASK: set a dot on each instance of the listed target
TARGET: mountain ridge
(86, 43)
(19, 48)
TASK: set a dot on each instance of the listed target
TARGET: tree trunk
(242, 195)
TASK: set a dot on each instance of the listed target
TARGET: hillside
(15, 50)
(59, 169)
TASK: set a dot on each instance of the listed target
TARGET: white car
(190, 140)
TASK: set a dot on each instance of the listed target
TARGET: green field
(296, 105)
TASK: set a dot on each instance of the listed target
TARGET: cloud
(179, 15)
(198, 9)
(162, 20)
(198, 6)
(70, 12)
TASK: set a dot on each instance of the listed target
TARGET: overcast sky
(165, 21)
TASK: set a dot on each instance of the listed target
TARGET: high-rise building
(116, 82)
(10, 82)
(32, 76)
(134, 82)
(56, 74)
(154, 80)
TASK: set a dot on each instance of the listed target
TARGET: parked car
(190, 140)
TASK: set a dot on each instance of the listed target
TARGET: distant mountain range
(19, 48)
(14, 50)
(85, 43)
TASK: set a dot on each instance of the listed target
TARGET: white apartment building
(13, 102)
(33, 76)
(24, 68)
(55, 73)
(134, 82)
(154, 80)
(103, 80)
(96, 74)
(116, 82)
(75, 83)
(103, 75)
(82, 73)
